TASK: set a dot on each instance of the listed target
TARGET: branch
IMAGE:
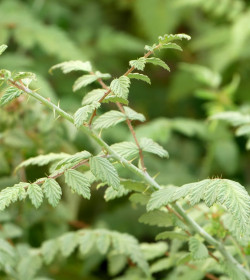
(145, 176)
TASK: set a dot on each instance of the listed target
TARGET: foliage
(66, 163)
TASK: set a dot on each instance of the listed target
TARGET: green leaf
(111, 193)
(148, 145)
(86, 241)
(10, 94)
(141, 77)
(5, 74)
(28, 267)
(24, 75)
(49, 250)
(71, 160)
(113, 98)
(12, 194)
(3, 48)
(93, 96)
(83, 81)
(154, 250)
(103, 241)
(171, 235)
(198, 249)
(139, 198)
(82, 114)
(73, 65)
(157, 61)
(35, 194)
(234, 118)
(172, 37)
(102, 75)
(125, 149)
(68, 242)
(104, 171)
(109, 119)
(171, 46)
(133, 115)
(243, 130)
(161, 264)
(52, 191)
(138, 64)
(120, 87)
(157, 218)
(78, 182)
(42, 160)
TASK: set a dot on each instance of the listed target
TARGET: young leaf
(120, 87)
(68, 242)
(72, 160)
(113, 98)
(198, 249)
(81, 115)
(83, 81)
(42, 160)
(171, 46)
(104, 171)
(111, 193)
(93, 96)
(77, 182)
(138, 64)
(157, 218)
(103, 241)
(109, 119)
(52, 191)
(141, 77)
(128, 150)
(3, 48)
(86, 241)
(73, 65)
(49, 250)
(170, 37)
(148, 145)
(158, 61)
(133, 115)
(154, 250)
(10, 94)
(12, 194)
(171, 235)
(35, 194)
(24, 75)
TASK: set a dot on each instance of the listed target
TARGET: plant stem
(144, 175)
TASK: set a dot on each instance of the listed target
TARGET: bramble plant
(207, 222)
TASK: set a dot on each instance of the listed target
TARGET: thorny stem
(145, 176)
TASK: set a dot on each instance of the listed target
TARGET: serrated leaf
(28, 267)
(114, 99)
(52, 191)
(71, 160)
(154, 250)
(68, 242)
(35, 194)
(10, 94)
(157, 218)
(172, 37)
(148, 145)
(138, 64)
(42, 160)
(83, 81)
(157, 61)
(82, 114)
(86, 242)
(102, 75)
(93, 96)
(171, 46)
(198, 249)
(73, 65)
(78, 182)
(103, 241)
(3, 48)
(111, 193)
(109, 119)
(24, 75)
(125, 149)
(139, 198)
(171, 235)
(120, 87)
(49, 250)
(141, 77)
(133, 115)
(104, 171)
(12, 194)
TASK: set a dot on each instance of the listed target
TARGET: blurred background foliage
(210, 76)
